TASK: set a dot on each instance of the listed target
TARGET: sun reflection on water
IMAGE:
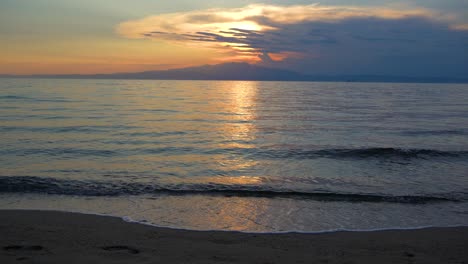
(239, 133)
(227, 180)
(242, 97)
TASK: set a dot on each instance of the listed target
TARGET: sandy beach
(57, 237)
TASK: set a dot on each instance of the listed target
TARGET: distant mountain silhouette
(227, 71)
(242, 71)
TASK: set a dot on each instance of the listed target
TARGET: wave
(25, 98)
(64, 129)
(345, 153)
(14, 97)
(459, 132)
(250, 153)
(41, 185)
(392, 152)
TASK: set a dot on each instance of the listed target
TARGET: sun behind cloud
(242, 34)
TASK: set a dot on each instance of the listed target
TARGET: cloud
(320, 39)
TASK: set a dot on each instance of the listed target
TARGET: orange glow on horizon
(96, 56)
(79, 68)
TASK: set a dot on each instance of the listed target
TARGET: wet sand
(56, 237)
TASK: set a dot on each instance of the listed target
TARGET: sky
(331, 37)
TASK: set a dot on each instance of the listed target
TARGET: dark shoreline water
(41, 185)
(268, 156)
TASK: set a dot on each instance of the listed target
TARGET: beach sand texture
(58, 237)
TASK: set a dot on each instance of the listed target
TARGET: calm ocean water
(230, 155)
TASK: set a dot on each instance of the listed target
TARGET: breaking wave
(40, 185)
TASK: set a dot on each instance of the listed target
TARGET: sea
(238, 155)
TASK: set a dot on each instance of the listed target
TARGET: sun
(244, 25)
(249, 26)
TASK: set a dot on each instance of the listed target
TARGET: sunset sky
(411, 38)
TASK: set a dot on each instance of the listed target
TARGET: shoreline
(126, 219)
(56, 237)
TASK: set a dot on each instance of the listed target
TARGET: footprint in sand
(122, 248)
(23, 248)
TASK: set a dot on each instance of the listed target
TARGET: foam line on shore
(128, 219)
